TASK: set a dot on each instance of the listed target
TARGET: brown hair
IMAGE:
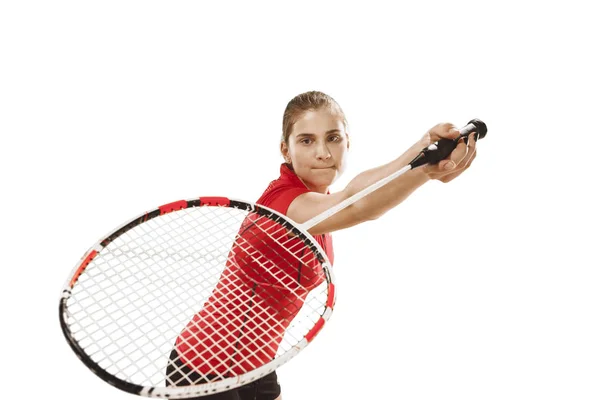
(308, 101)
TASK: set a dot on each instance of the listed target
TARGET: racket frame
(210, 387)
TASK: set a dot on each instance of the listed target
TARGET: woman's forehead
(318, 122)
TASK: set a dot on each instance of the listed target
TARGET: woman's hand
(457, 162)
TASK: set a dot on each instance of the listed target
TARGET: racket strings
(243, 352)
(135, 298)
(224, 351)
(287, 242)
(272, 323)
(292, 246)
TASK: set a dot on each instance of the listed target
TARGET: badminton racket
(205, 295)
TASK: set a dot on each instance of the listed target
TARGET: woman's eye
(305, 141)
(334, 138)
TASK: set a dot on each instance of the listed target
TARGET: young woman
(314, 145)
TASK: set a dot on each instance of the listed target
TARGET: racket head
(143, 290)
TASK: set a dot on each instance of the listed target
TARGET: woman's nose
(323, 152)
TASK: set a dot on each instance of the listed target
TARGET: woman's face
(317, 148)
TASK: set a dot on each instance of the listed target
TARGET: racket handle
(441, 149)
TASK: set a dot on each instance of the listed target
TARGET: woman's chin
(323, 181)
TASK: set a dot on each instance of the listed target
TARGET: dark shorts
(265, 388)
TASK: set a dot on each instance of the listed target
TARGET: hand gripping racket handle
(430, 155)
(441, 149)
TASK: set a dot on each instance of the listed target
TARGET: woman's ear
(348, 140)
(285, 152)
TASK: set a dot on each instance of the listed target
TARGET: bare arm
(372, 206)
(308, 205)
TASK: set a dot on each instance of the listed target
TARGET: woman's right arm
(372, 206)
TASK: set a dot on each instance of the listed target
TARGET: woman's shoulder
(280, 194)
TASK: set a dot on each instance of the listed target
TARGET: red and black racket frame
(165, 209)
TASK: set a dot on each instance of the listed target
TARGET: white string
(136, 296)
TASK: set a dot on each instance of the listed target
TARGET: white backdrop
(483, 288)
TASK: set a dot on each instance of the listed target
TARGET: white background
(483, 288)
